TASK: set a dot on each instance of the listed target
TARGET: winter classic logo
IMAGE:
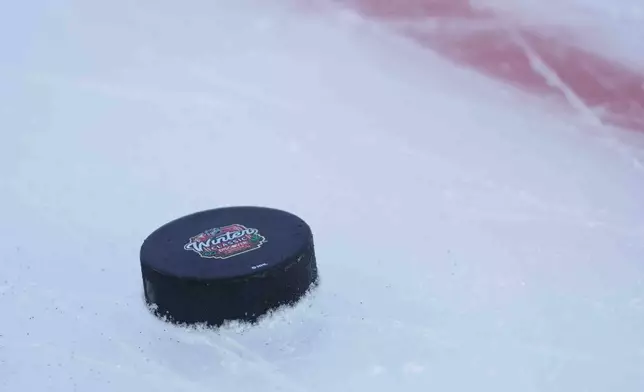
(225, 242)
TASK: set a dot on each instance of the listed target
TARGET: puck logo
(224, 242)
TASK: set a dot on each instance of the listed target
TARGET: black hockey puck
(227, 264)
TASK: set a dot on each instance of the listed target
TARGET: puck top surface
(226, 242)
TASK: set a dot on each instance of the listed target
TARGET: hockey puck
(227, 264)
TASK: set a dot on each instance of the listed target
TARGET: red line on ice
(479, 40)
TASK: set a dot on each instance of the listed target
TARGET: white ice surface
(607, 27)
(468, 238)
